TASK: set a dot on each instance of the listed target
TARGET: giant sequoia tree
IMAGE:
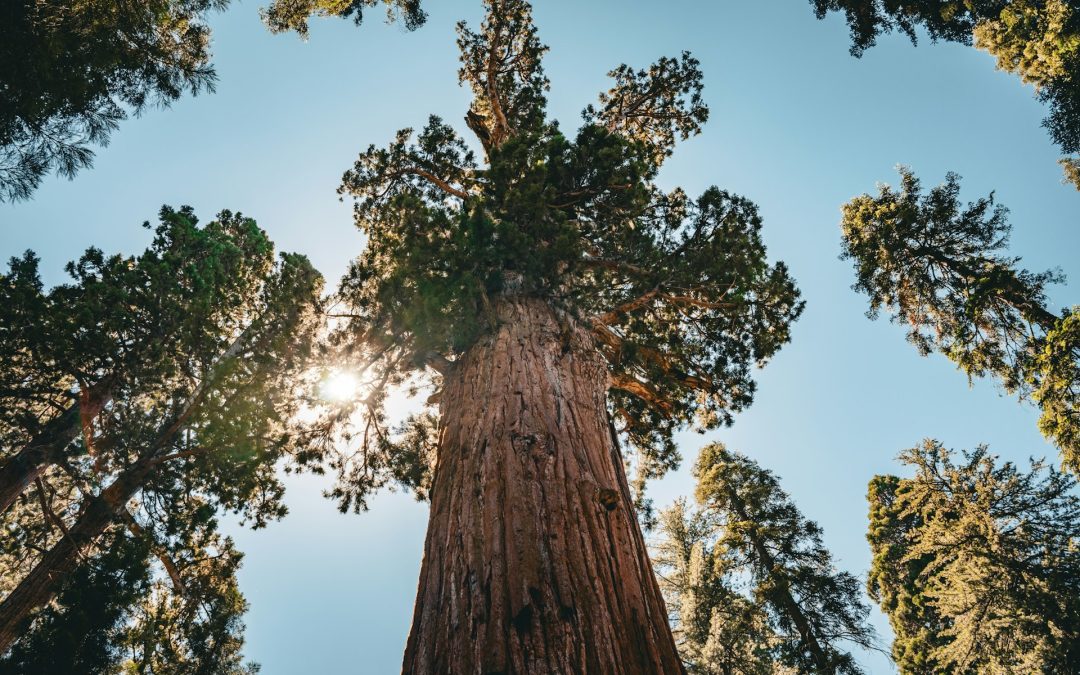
(976, 564)
(557, 299)
(1039, 40)
(942, 269)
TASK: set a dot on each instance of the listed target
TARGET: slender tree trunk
(44, 581)
(787, 600)
(45, 449)
(534, 561)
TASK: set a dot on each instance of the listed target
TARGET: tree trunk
(786, 599)
(43, 582)
(45, 449)
(534, 561)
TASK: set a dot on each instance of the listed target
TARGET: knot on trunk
(536, 446)
(608, 498)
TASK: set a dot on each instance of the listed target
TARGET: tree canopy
(204, 340)
(71, 71)
(942, 269)
(677, 290)
(976, 564)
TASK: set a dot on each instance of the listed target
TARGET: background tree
(941, 269)
(124, 611)
(976, 564)
(801, 609)
(82, 630)
(719, 631)
(124, 328)
(552, 297)
(1039, 40)
(171, 452)
(71, 71)
(293, 15)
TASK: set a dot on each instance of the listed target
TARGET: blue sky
(797, 125)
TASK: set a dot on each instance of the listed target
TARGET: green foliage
(127, 326)
(941, 269)
(123, 612)
(71, 70)
(976, 564)
(1039, 40)
(205, 341)
(293, 15)
(1034, 39)
(1054, 376)
(918, 628)
(28, 384)
(1071, 167)
(654, 106)
(82, 630)
(799, 609)
(677, 291)
(191, 624)
(952, 20)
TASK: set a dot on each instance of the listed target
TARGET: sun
(339, 387)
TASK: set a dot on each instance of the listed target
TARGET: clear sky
(797, 125)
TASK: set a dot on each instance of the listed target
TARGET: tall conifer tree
(942, 269)
(556, 298)
(976, 564)
(198, 420)
(797, 614)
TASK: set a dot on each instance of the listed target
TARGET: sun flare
(340, 387)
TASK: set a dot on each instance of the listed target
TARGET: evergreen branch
(162, 555)
(434, 180)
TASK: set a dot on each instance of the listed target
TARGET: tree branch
(166, 561)
(177, 455)
(609, 317)
(437, 362)
(434, 180)
(642, 390)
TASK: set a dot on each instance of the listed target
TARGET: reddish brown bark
(534, 561)
(44, 581)
(47, 448)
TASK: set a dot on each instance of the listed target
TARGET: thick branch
(610, 317)
(437, 362)
(434, 180)
(642, 390)
(46, 508)
(177, 455)
(614, 265)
